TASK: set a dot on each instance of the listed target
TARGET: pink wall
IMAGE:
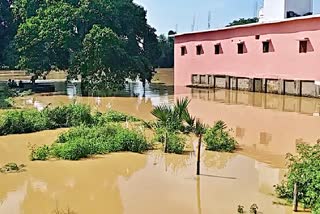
(285, 62)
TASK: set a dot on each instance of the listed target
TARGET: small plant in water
(61, 211)
(12, 168)
(219, 139)
(240, 209)
(254, 209)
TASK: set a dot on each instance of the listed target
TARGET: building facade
(280, 56)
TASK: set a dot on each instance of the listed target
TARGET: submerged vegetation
(12, 168)
(172, 121)
(5, 97)
(83, 142)
(28, 121)
(304, 171)
(219, 139)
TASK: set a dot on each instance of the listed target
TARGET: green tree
(166, 46)
(47, 41)
(243, 21)
(52, 33)
(7, 30)
(102, 60)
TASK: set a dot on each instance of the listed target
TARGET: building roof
(249, 25)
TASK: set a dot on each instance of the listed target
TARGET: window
(217, 49)
(266, 47)
(240, 48)
(257, 37)
(303, 46)
(183, 50)
(199, 50)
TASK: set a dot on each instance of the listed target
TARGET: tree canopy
(102, 41)
(243, 21)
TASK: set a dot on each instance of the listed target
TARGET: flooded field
(266, 126)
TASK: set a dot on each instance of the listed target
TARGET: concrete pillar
(234, 83)
(281, 87)
(251, 85)
(298, 87)
(228, 82)
(264, 85)
(317, 90)
(214, 81)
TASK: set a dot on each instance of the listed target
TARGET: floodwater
(266, 127)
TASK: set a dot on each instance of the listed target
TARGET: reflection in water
(133, 183)
(199, 195)
(310, 106)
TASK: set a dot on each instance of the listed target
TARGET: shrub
(114, 116)
(16, 121)
(304, 170)
(6, 95)
(68, 116)
(82, 142)
(39, 153)
(218, 138)
(176, 143)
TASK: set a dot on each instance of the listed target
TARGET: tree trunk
(166, 142)
(199, 153)
(295, 198)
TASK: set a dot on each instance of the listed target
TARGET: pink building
(275, 57)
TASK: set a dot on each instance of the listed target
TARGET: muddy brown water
(266, 126)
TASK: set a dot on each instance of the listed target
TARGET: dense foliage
(243, 21)
(166, 46)
(27, 121)
(170, 121)
(304, 170)
(5, 97)
(103, 42)
(82, 142)
(219, 139)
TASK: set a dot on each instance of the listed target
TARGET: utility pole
(193, 23)
(209, 20)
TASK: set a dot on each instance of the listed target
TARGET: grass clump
(83, 142)
(114, 116)
(68, 116)
(12, 168)
(28, 121)
(219, 139)
(173, 141)
(176, 143)
(17, 121)
(40, 153)
(304, 170)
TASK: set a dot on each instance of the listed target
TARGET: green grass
(83, 142)
(28, 121)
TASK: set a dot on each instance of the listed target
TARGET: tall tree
(7, 29)
(102, 60)
(52, 35)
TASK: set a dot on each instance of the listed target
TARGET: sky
(165, 15)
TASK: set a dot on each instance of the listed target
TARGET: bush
(113, 116)
(176, 143)
(218, 138)
(82, 142)
(39, 153)
(68, 116)
(27, 121)
(304, 170)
